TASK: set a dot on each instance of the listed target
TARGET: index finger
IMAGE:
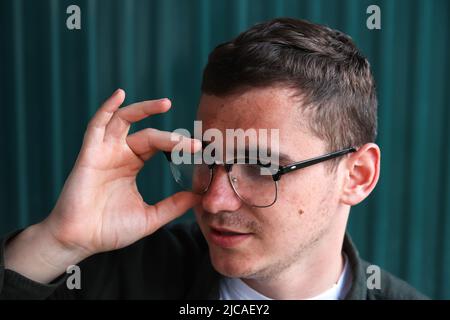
(147, 142)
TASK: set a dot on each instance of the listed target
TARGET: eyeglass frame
(282, 170)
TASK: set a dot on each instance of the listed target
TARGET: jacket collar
(358, 289)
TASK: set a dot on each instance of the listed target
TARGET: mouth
(227, 238)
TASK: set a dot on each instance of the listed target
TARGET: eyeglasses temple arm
(306, 163)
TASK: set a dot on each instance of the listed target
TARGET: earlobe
(362, 173)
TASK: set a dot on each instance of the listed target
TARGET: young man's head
(312, 84)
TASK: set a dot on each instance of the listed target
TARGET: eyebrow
(283, 158)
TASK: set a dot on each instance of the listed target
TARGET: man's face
(277, 236)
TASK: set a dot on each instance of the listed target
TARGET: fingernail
(197, 144)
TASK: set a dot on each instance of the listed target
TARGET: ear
(362, 173)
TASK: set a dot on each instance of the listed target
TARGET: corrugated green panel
(53, 79)
(20, 125)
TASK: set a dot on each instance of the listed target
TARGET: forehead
(262, 108)
(256, 108)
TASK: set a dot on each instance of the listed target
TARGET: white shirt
(236, 289)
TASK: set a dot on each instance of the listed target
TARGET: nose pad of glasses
(225, 174)
(248, 184)
(221, 194)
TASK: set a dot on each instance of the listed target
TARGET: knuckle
(150, 131)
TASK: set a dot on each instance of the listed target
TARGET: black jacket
(172, 263)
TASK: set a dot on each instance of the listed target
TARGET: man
(282, 237)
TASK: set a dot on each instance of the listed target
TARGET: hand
(100, 208)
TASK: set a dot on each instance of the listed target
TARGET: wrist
(37, 255)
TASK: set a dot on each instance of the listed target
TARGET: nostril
(221, 197)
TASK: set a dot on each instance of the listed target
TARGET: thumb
(170, 208)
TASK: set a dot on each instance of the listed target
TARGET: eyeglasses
(255, 184)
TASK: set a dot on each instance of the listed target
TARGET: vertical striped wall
(52, 80)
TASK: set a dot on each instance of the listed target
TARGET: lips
(227, 238)
(226, 230)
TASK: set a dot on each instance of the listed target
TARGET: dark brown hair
(323, 65)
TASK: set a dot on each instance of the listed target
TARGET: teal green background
(52, 80)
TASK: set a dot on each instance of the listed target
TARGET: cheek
(305, 190)
(281, 226)
(303, 205)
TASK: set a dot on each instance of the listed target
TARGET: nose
(220, 196)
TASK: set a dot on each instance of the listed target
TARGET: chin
(232, 264)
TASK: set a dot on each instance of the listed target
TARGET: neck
(317, 271)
